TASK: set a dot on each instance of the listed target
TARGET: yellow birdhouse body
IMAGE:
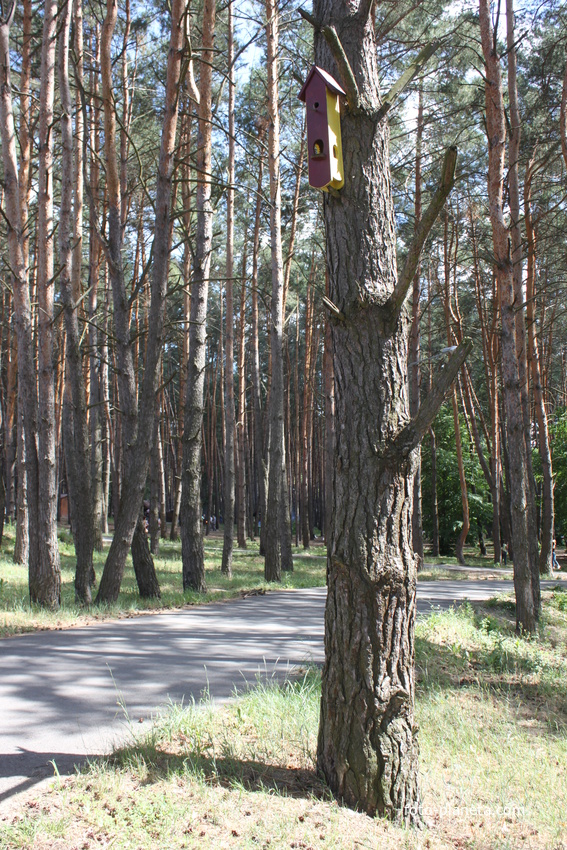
(321, 93)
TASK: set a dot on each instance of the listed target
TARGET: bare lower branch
(340, 57)
(411, 71)
(307, 16)
(332, 308)
(343, 65)
(413, 433)
(423, 229)
(365, 9)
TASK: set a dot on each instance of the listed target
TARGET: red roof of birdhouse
(329, 81)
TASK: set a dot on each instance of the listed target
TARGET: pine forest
(194, 340)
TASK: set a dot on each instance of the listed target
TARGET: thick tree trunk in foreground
(367, 748)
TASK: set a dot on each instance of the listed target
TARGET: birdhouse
(320, 93)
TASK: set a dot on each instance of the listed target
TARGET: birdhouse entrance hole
(318, 149)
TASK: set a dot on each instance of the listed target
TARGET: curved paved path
(61, 691)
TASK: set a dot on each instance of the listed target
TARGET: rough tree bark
(547, 498)
(526, 573)
(367, 747)
(190, 515)
(415, 345)
(77, 448)
(45, 576)
(241, 476)
(515, 237)
(21, 545)
(138, 421)
(277, 541)
(259, 459)
(451, 319)
(229, 472)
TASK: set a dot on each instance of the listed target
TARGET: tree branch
(345, 71)
(307, 16)
(413, 433)
(343, 65)
(411, 71)
(423, 229)
(365, 9)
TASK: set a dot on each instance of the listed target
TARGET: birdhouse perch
(320, 94)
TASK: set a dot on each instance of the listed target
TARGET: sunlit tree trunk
(367, 748)
(450, 317)
(414, 352)
(138, 421)
(241, 476)
(259, 457)
(515, 237)
(277, 540)
(77, 449)
(229, 472)
(45, 576)
(526, 573)
(548, 506)
(191, 526)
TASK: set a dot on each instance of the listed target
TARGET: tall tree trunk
(98, 368)
(191, 526)
(278, 535)
(490, 349)
(515, 237)
(229, 475)
(414, 352)
(154, 493)
(259, 457)
(22, 543)
(548, 506)
(138, 422)
(186, 196)
(77, 449)
(305, 419)
(525, 585)
(449, 314)
(241, 476)
(10, 415)
(367, 749)
(45, 578)
(329, 388)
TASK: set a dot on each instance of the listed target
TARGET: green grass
(17, 615)
(492, 715)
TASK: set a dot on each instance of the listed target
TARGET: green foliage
(558, 437)
(448, 485)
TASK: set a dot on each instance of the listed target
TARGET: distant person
(554, 561)
(504, 552)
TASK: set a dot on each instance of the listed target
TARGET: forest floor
(492, 714)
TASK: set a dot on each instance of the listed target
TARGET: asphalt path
(67, 695)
